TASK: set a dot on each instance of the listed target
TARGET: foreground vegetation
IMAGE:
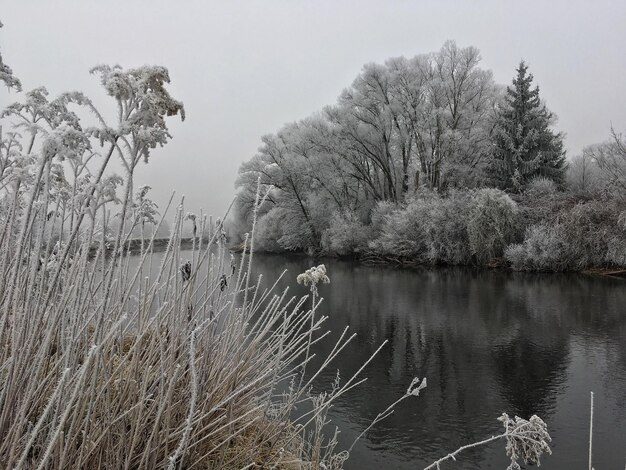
(428, 161)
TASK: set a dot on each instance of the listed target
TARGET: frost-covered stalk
(526, 440)
(312, 276)
(590, 431)
(413, 390)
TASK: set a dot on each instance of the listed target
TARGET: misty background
(243, 69)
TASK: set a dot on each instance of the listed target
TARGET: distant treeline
(428, 160)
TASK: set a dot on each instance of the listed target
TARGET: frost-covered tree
(408, 124)
(610, 158)
(583, 174)
(419, 122)
(281, 168)
(456, 119)
(524, 145)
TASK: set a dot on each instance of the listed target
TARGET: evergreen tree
(524, 145)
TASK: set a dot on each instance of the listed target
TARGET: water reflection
(489, 342)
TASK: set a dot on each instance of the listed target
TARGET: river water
(488, 342)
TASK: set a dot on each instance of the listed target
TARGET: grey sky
(245, 68)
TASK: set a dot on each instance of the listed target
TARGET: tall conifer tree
(524, 145)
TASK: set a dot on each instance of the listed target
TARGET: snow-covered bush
(429, 229)
(378, 217)
(588, 227)
(589, 234)
(346, 235)
(448, 240)
(492, 223)
(543, 249)
(542, 185)
(616, 252)
(402, 233)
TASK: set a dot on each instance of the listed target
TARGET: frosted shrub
(588, 228)
(541, 207)
(378, 217)
(586, 235)
(402, 232)
(594, 229)
(345, 235)
(541, 185)
(429, 229)
(616, 252)
(446, 234)
(544, 249)
(492, 223)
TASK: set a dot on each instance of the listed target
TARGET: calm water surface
(488, 342)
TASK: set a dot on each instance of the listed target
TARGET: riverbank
(371, 259)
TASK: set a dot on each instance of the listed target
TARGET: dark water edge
(489, 341)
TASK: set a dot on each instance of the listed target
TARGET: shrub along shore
(541, 230)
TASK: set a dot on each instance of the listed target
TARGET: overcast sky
(243, 69)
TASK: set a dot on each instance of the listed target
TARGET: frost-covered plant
(610, 160)
(429, 229)
(413, 390)
(588, 228)
(378, 217)
(541, 184)
(345, 235)
(405, 230)
(587, 234)
(491, 223)
(269, 231)
(446, 229)
(526, 440)
(143, 210)
(616, 250)
(401, 233)
(6, 74)
(194, 226)
(313, 276)
(544, 249)
(283, 230)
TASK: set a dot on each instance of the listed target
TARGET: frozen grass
(115, 368)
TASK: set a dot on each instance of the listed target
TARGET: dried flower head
(313, 276)
(185, 270)
(414, 389)
(526, 440)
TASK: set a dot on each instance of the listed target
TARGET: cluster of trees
(428, 160)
